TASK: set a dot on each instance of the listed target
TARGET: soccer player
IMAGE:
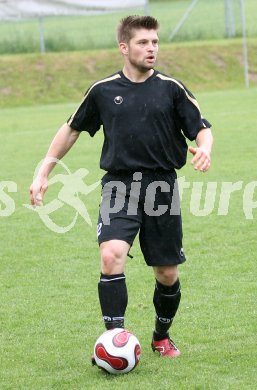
(146, 117)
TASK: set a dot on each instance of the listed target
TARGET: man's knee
(110, 259)
(113, 256)
(166, 275)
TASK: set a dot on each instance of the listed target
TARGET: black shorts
(147, 203)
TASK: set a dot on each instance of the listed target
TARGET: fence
(94, 28)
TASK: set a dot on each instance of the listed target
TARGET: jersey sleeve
(87, 116)
(188, 113)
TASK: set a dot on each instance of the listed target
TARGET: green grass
(63, 77)
(98, 31)
(49, 310)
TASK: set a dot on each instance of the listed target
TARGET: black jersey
(144, 124)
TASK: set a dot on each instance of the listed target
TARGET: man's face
(141, 51)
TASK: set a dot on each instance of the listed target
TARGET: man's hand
(201, 159)
(37, 191)
(202, 153)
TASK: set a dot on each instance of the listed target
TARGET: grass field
(98, 31)
(49, 309)
(63, 77)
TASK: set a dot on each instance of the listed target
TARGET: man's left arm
(202, 153)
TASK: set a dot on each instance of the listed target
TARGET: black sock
(113, 298)
(166, 302)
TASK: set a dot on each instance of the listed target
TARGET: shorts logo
(182, 252)
(118, 100)
(99, 229)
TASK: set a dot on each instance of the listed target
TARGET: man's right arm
(61, 144)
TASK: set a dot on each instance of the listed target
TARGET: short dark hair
(135, 22)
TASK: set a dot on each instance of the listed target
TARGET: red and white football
(117, 351)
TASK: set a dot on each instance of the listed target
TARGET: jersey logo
(118, 99)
